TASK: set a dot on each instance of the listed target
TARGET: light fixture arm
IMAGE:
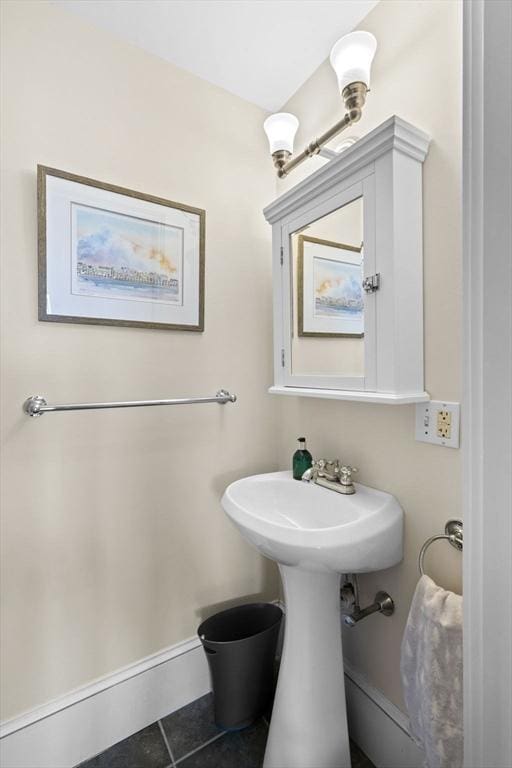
(354, 97)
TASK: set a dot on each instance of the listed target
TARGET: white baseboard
(83, 723)
(378, 727)
(77, 726)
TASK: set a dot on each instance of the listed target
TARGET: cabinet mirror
(327, 296)
(348, 282)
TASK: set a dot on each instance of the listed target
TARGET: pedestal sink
(314, 534)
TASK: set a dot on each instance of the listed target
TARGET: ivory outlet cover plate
(437, 422)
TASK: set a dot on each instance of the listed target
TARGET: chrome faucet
(331, 474)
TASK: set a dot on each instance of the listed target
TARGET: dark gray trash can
(240, 645)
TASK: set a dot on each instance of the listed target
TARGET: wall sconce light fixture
(351, 59)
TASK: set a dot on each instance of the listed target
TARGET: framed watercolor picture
(112, 256)
(329, 288)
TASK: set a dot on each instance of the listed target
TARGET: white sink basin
(314, 528)
(314, 534)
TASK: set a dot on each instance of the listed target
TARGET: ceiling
(260, 50)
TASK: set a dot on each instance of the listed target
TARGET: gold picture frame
(165, 285)
(301, 329)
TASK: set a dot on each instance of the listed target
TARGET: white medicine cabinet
(348, 273)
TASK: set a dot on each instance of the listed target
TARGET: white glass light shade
(351, 58)
(281, 129)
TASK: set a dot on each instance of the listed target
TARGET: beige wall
(416, 75)
(114, 541)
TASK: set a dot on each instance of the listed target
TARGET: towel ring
(453, 533)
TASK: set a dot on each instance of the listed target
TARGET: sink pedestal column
(309, 719)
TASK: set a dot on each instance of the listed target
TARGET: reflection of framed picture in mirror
(329, 288)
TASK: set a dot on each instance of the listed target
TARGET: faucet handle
(346, 473)
(346, 484)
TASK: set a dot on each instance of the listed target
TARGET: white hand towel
(431, 668)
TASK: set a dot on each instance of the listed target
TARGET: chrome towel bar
(37, 405)
(453, 533)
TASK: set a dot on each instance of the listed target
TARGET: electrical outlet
(444, 424)
(444, 417)
(438, 422)
(444, 431)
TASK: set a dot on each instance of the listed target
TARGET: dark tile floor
(189, 738)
